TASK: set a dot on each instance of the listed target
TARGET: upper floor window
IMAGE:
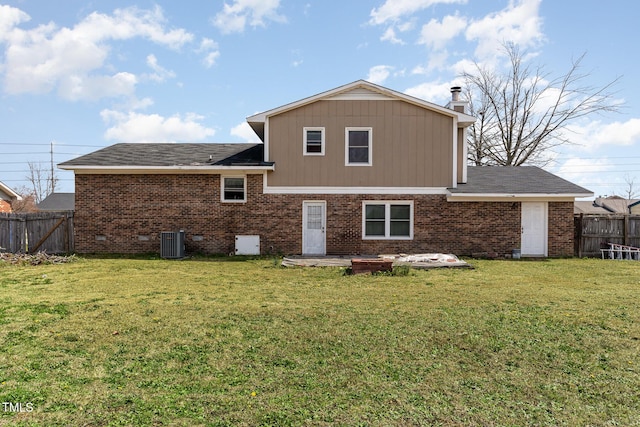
(358, 146)
(313, 141)
(234, 189)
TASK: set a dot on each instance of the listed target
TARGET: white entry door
(534, 229)
(314, 220)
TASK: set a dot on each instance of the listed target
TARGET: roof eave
(9, 191)
(208, 169)
(515, 197)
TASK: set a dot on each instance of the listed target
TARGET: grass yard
(218, 342)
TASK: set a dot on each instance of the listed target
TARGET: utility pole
(52, 182)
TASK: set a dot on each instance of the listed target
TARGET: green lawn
(219, 342)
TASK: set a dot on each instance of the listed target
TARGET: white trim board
(354, 190)
(489, 197)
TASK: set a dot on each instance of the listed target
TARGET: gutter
(90, 169)
(507, 197)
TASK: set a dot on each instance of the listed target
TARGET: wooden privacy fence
(51, 232)
(595, 231)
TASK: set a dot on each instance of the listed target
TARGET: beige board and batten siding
(412, 146)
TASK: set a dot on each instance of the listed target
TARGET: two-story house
(359, 169)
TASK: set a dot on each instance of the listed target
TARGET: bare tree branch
(523, 112)
(42, 181)
(631, 190)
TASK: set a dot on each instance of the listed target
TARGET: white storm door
(313, 227)
(534, 229)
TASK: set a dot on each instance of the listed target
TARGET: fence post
(626, 230)
(579, 237)
(66, 232)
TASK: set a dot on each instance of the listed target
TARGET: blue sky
(94, 73)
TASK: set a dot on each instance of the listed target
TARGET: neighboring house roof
(588, 207)
(356, 90)
(616, 204)
(510, 182)
(6, 193)
(169, 156)
(58, 202)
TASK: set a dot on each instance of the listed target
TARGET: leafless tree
(631, 190)
(43, 181)
(28, 202)
(523, 112)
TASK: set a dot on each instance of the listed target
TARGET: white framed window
(233, 189)
(358, 146)
(313, 141)
(387, 220)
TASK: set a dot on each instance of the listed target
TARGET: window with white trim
(357, 146)
(234, 189)
(391, 220)
(313, 141)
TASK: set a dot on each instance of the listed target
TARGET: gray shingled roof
(171, 155)
(515, 180)
(58, 202)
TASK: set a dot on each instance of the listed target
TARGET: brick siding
(561, 229)
(5, 206)
(128, 212)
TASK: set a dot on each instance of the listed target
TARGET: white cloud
(9, 18)
(234, 17)
(436, 34)
(463, 66)
(160, 74)
(574, 168)
(139, 104)
(379, 73)
(245, 133)
(210, 59)
(390, 36)
(519, 23)
(438, 93)
(392, 10)
(594, 134)
(210, 49)
(75, 87)
(593, 174)
(73, 60)
(207, 44)
(137, 127)
(390, 33)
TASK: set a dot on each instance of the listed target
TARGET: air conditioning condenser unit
(172, 244)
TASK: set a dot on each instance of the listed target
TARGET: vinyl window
(390, 220)
(234, 189)
(358, 146)
(313, 141)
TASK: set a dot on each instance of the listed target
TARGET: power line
(55, 143)
(25, 180)
(38, 152)
(595, 158)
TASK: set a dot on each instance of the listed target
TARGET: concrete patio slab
(420, 261)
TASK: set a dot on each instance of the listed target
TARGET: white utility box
(247, 245)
